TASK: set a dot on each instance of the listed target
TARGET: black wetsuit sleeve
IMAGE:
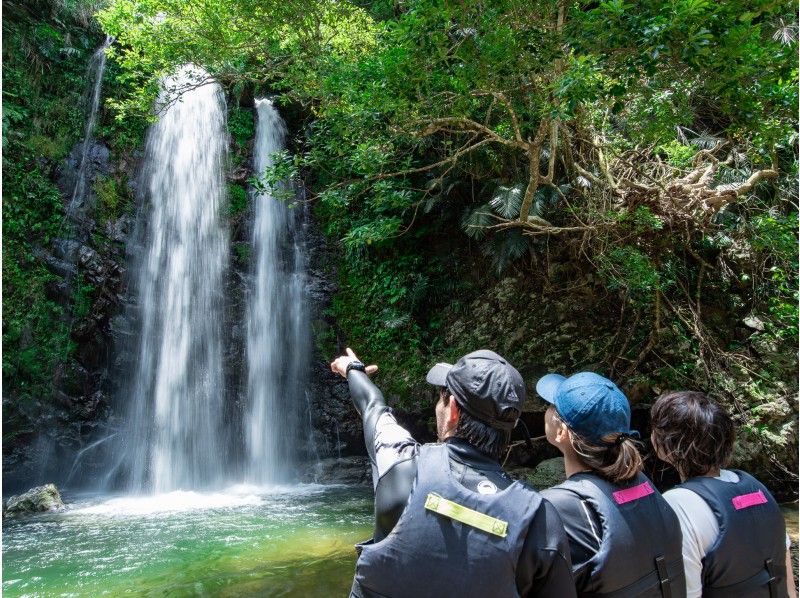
(544, 569)
(392, 453)
(370, 404)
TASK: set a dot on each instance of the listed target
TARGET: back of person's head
(616, 459)
(489, 392)
(487, 439)
(598, 417)
(692, 432)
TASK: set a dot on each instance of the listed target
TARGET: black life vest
(748, 558)
(640, 551)
(431, 554)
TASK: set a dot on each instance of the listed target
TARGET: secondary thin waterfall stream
(277, 333)
(97, 66)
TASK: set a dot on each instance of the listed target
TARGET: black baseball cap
(485, 385)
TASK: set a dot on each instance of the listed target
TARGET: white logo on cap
(486, 487)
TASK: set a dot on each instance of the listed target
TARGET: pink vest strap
(748, 500)
(635, 493)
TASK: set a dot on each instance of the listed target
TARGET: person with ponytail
(734, 535)
(625, 540)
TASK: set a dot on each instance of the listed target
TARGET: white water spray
(277, 330)
(175, 440)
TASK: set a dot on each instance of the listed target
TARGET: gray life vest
(432, 553)
(748, 558)
(640, 551)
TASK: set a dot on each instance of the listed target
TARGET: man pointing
(448, 520)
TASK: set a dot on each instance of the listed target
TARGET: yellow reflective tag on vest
(453, 510)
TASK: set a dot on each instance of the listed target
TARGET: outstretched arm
(392, 450)
(367, 398)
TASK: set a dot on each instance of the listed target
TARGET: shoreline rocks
(41, 499)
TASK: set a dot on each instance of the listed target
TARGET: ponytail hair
(616, 459)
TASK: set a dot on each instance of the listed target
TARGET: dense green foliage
(650, 146)
(45, 53)
(48, 46)
(637, 159)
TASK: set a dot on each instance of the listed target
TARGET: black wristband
(355, 365)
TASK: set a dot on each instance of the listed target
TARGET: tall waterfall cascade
(184, 429)
(175, 434)
(278, 343)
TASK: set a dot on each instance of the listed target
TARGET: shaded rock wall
(88, 261)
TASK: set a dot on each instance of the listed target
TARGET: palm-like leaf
(476, 222)
(506, 247)
(705, 141)
(507, 201)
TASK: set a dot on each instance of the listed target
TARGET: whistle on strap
(481, 521)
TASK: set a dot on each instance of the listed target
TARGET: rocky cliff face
(88, 262)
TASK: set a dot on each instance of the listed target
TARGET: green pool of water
(291, 541)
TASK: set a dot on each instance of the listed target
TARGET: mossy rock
(41, 499)
(548, 473)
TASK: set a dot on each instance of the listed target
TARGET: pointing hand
(339, 365)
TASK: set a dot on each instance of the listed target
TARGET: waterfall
(97, 66)
(176, 392)
(278, 342)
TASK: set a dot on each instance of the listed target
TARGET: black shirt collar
(463, 451)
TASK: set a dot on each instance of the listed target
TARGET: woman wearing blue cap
(625, 541)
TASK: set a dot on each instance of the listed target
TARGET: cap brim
(547, 386)
(438, 374)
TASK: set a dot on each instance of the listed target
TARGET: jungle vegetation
(461, 154)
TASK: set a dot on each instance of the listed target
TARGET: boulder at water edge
(36, 500)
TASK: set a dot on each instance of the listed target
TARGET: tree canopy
(651, 145)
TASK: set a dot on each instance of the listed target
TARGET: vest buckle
(773, 591)
(663, 577)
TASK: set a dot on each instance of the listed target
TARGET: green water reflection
(296, 542)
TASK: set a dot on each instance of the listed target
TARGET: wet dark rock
(247, 99)
(58, 291)
(72, 378)
(58, 267)
(92, 264)
(351, 471)
(97, 162)
(66, 249)
(118, 229)
(88, 407)
(93, 351)
(240, 176)
(41, 499)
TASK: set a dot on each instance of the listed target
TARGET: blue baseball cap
(590, 405)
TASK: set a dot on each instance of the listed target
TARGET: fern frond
(476, 222)
(507, 201)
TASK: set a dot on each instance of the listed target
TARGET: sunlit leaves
(507, 201)
(477, 222)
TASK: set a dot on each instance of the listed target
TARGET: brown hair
(692, 432)
(617, 459)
